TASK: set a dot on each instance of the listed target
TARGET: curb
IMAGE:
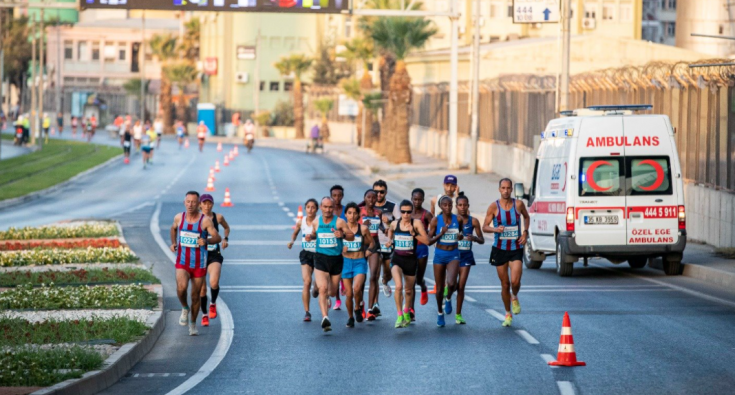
(701, 272)
(118, 364)
(35, 195)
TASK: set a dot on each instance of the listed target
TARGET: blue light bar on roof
(631, 107)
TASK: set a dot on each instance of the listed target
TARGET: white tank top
(306, 230)
(438, 210)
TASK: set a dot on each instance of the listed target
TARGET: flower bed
(33, 366)
(17, 331)
(59, 256)
(105, 275)
(50, 297)
(61, 232)
(61, 244)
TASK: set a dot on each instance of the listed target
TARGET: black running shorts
(307, 258)
(500, 257)
(214, 256)
(409, 264)
(328, 263)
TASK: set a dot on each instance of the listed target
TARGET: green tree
(327, 70)
(324, 106)
(181, 74)
(164, 48)
(189, 45)
(399, 36)
(15, 36)
(295, 65)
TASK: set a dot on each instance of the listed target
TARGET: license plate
(601, 219)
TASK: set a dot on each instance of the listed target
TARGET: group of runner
(344, 243)
(146, 137)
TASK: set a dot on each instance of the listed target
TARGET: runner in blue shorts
(446, 228)
(355, 267)
(466, 256)
(422, 250)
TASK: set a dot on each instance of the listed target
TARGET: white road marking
(565, 387)
(263, 262)
(286, 209)
(152, 375)
(138, 207)
(290, 214)
(281, 204)
(527, 336)
(258, 243)
(262, 290)
(495, 314)
(549, 358)
(227, 326)
(470, 298)
(259, 286)
(573, 290)
(261, 227)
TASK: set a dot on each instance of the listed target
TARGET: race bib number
(327, 240)
(465, 245)
(403, 242)
(374, 224)
(211, 247)
(384, 248)
(188, 239)
(355, 245)
(450, 236)
(509, 233)
(309, 246)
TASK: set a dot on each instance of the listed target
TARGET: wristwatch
(227, 238)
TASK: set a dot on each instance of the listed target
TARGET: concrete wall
(710, 215)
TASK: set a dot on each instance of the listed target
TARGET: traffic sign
(536, 11)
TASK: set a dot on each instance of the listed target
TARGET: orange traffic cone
(211, 174)
(186, 143)
(566, 355)
(235, 151)
(433, 291)
(210, 185)
(219, 147)
(227, 202)
(216, 166)
(227, 162)
(299, 217)
(232, 156)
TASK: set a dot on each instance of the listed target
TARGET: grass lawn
(91, 276)
(17, 331)
(58, 161)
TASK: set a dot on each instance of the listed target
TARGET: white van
(606, 183)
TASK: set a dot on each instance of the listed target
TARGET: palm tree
(371, 103)
(182, 74)
(400, 36)
(294, 66)
(164, 48)
(189, 45)
(360, 50)
(324, 106)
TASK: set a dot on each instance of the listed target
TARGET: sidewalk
(8, 150)
(700, 260)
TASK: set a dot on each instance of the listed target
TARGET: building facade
(712, 17)
(659, 21)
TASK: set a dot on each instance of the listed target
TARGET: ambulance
(607, 183)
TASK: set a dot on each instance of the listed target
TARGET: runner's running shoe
(212, 311)
(359, 314)
(516, 306)
(406, 320)
(307, 317)
(351, 323)
(508, 320)
(370, 315)
(447, 306)
(193, 329)
(459, 320)
(205, 320)
(440, 320)
(376, 310)
(184, 319)
(399, 321)
(424, 297)
(412, 314)
(326, 325)
(338, 305)
(386, 288)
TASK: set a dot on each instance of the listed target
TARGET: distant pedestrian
(46, 125)
(180, 133)
(60, 123)
(89, 129)
(137, 135)
(74, 126)
(314, 137)
(202, 131)
(158, 128)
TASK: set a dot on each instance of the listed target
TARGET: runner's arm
(421, 232)
(214, 237)
(347, 233)
(368, 238)
(487, 228)
(433, 204)
(432, 231)
(173, 231)
(293, 237)
(460, 223)
(521, 207)
(226, 226)
(389, 235)
(480, 238)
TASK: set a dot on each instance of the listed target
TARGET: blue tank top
(464, 244)
(511, 220)
(451, 237)
(326, 242)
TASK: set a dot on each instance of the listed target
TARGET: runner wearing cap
(214, 259)
(190, 233)
(450, 189)
(422, 250)
(503, 218)
(306, 256)
(466, 256)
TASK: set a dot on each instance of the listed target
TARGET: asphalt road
(639, 331)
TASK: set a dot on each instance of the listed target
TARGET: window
(121, 49)
(601, 176)
(274, 86)
(288, 86)
(649, 176)
(82, 48)
(110, 52)
(671, 29)
(590, 11)
(95, 50)
(626, 13)
(608, 12)
(495, 10)
(672, 4)
(68, 50)
(262, 86)
(510, 10)
(348, 27)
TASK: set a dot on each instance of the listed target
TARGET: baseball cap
(450, 179)
(206, 198)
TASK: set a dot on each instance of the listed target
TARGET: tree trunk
(399, 102)
(387, 68)
(298, 108)
(182, 113)
(324, 129)
(166, 99)
(366, 85)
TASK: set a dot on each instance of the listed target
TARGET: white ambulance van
(607, 183)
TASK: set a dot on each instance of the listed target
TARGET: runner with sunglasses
(422, 250)
(446, 228)
(466, 256)
(390, 212)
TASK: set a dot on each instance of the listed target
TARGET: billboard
(306, 6)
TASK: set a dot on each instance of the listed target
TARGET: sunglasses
(380, 192)
(406, 212)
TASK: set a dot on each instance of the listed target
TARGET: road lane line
(470, 298)
(495, 314)
(258, 243)
(572, 290)
(261, 227)
(227, 326)
(549, 358)
(290, 214)
(565, 387)
(260, 290)
(259, 286)
(527, 336)
(281, 204)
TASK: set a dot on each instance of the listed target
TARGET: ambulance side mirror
(519, 191)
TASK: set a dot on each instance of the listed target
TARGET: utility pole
(142, 68)
(453, 85)
(475, 131)
(41, 64)
(32, 114)
(256, 78)
(58, 62)
(566, 23)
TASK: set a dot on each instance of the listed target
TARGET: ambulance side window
(601, 176)
(532, 190)
(648, 175)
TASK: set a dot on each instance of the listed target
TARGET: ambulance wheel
(531, 258)
(638, 262)
(564, 268)
(672, 265)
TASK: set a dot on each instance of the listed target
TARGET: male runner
(138, 135)
(201, 134)
(450, 189)
(505, 217)
(190, 235)
(390, 212)
(328, 233)
(214, 258)
(338, 193)
(126, 141)
(422, 250)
